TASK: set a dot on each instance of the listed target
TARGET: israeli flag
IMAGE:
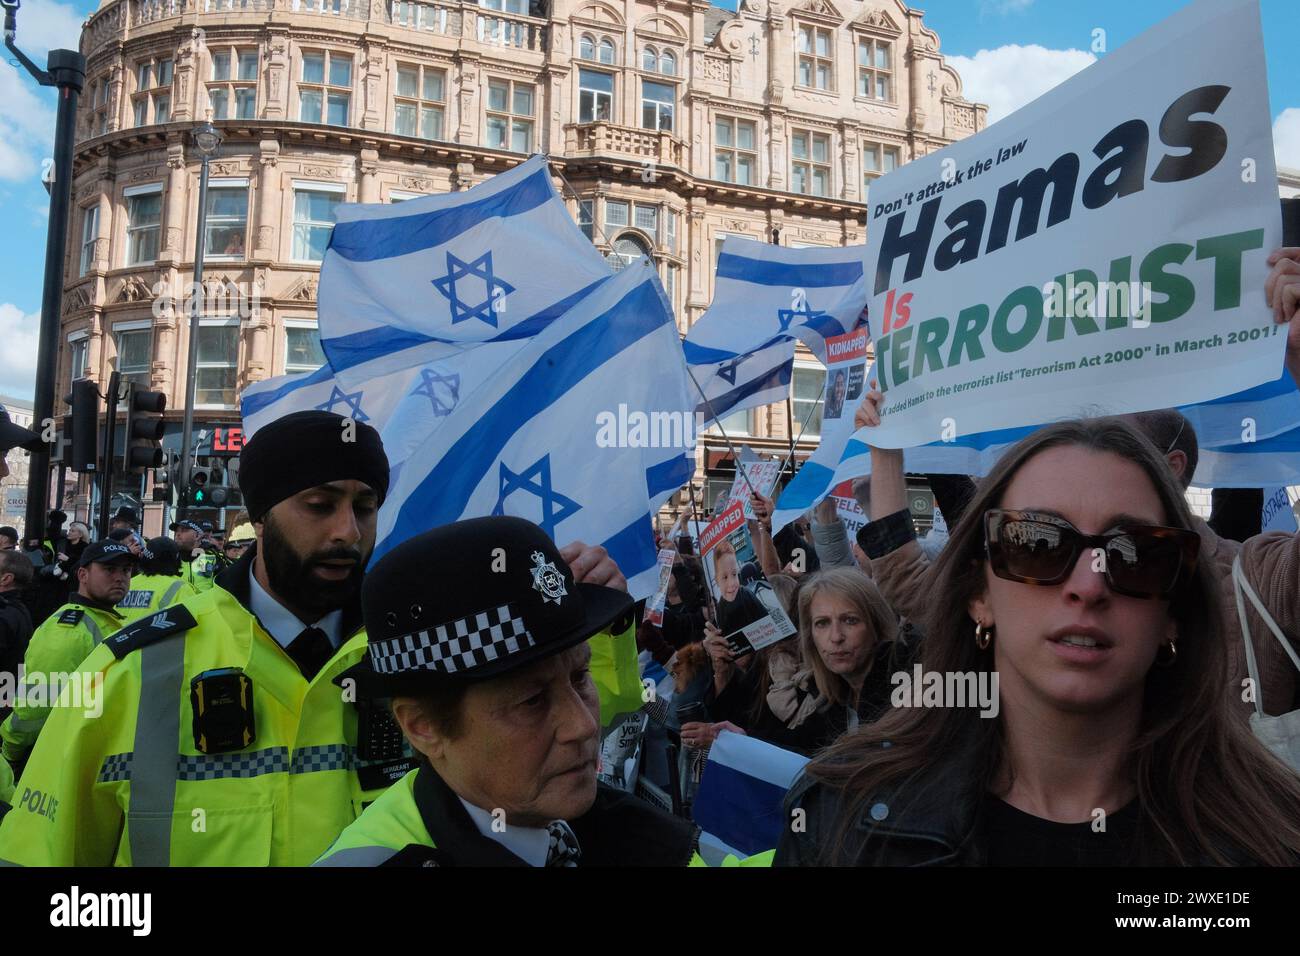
(741, 351)
(403, 285)
(597, 400)
(741, 793)
(371, 401)
(1270, 413)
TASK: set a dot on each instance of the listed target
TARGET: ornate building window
(510, 115)
(810, 163)
(658, 101)
(89, 232)
(875, 69)
(152, 102)
(325, 89)
(816, 57)
(877, 159)
(302, 351)
(215, 372)
(134, 352)
(232, 91)
(735, 151)
(314, 206)
(421, 96)
(227, 219)
(143, 221)
(595, 96)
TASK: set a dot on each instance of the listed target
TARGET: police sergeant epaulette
(72, 615)
(149, 629)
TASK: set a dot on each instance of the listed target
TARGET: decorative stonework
(133, 289)
(304, 290)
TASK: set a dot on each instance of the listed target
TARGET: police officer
(482, 636)
(199, 567)
(159, 583)
(66, 638)
(274, 760)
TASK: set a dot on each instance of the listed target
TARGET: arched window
(587, 47)
(627, 249)
(668, 63)
(606, 50)
(649, 59)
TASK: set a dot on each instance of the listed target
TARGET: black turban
(306, 449)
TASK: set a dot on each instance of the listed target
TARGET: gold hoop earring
(983, 636)
(1173, 655)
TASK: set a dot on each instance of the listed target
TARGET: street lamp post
(207, 139)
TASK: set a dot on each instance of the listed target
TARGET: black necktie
(310, 650)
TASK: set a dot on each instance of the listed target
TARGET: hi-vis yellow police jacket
(131, 787)
(153, 592)
(201, 572)
(56, 650)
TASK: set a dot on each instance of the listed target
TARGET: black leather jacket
(932, 824)
(932, 820)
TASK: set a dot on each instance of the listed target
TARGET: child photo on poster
(746, 620)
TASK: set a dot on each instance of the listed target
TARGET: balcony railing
(490, 27)
(606, 139)
(496, 28)
(439, 18)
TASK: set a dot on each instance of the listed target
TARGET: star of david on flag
(536, 480)
(443, 391)
(416, 283)
(756, 279)
(466, 272)
(786, 316)
(351, 399)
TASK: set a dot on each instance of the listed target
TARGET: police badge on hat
(436, 612)
(547, 579)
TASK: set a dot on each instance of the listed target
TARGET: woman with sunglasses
(1073, 577)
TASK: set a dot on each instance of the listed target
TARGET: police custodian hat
(473, 600)
(105, 551)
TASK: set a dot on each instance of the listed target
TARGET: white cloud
(1011, 76)
(20, 332)
(27, 121)
(1286, 138)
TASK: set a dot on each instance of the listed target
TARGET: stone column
(374, 104)
(369, 185)
(277, 76)
(268, 191)
(173, 231)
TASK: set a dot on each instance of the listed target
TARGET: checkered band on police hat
(456, 646)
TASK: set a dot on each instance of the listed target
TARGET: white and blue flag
(1268, 414)
(742, 790)
(371, 401)
(402, 285)
(575, 432)
(741, 351)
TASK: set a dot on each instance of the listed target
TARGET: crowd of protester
(1138, 656)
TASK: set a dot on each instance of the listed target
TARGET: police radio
(222, 703)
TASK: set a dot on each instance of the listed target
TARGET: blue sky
(1007, 51)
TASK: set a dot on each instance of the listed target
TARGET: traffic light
(197, 493)
(144, 430)
(85, 425)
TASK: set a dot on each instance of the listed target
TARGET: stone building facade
(670, 124)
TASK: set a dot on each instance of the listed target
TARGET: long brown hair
(1205, 786)
(860, 591)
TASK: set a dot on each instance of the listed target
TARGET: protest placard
(654, 607)
(848, 509)
(762, 476)
(1100, 250)
(749, 614)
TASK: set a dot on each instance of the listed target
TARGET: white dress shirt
(281, 623)
(528, 843)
